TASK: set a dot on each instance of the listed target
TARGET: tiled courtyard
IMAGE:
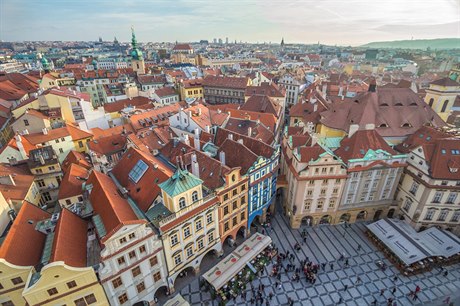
(325, 243)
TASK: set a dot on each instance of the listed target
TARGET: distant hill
(440, 43)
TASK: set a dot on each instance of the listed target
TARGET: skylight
(138, 171)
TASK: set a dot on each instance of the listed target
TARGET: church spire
(133, 38)
(282, 42)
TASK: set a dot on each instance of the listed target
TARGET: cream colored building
(188, 224)
(428, 194)
(441, 95)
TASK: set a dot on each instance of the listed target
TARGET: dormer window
(383, 125)
(182, 203)
(406, 125)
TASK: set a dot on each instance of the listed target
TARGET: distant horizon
(331, 22)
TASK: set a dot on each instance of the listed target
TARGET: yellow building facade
(192, 89)
(60, 284)
(441, 95)
(13, 280)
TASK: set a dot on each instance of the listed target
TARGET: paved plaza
(325, 243)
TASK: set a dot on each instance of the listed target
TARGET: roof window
(138, 171)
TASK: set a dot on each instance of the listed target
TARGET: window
(52, 291)
(243, 200)
(235, 221)
(320, 204)
(437, 197)
(153, 261)
(226, 197)
(132, 236)
(122, 240)
(407, 204)
(225, 210)
(234, 192)
(121, 260)
(198, 225)
(138, 171)
(80, 144)
(455, 217)
(71, 284)
(61, 150)
(157, 276)
(26, 122)
(90, 299)
(429, 214)
(234, 205)
(335, 190)
(210, 237)
(442, 216)
(194, 196)
(17, 280)
(209, 218)
(186, 232)
(307, 205)
(243, 216)
(174, 240)
(243, 188)
(142, 249)
(177, 259)
(451, 198)
(226, 226)
(132, 254)
(117, 282)
(140, 287)
(200, 244)
(331, 203)
(57, 140)
(182, 203)
(136, 271)
(310, 192)
(189, 252)
(8, 303)
(123, 298)
(323, 191)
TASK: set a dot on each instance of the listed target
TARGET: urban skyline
(331, 22)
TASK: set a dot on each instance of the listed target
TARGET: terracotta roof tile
(154, 117)
(23, 180)
(77, 158)
(108, 145)
(269, 120)
(258, 130)
(165, 92)
(116, 130)
(234, 160)
(445, 82)
(28, 252)
(121, 104)
(72, 182)
(225, 82)
(263, 104)
(70, 237)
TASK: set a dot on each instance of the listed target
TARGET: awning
(227, 268)
(410, 246)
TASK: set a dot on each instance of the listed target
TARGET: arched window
(194, 196)
(444, 106)
(182, 203)
(431, 102)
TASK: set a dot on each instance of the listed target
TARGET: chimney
(314, 140)
(250, 131)
(353, 128)
(199, 111)
(45, 131)
(222, 157)
(197, 133)
(207, 129)
(196, 144)
(230, 136)
(219, 111)
(193, 158)
(324, 91)
(315, 107)
(340, 91)
(42, 160)
(186, 140)
(7, 180)
(240, 141)
(190, 114)
(20, 146)
(372, 86)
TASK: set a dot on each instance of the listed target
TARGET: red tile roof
(23, 180)
(258, 130)
(360, 142)
(225, 82)
(307, 112)
(265, 88)
(161, 115)
(121, 104)
(151, 79)
(192, 83)
(263, 104)
(308, 154)
(77, 158)
(182, 47)
(99, 133)
(25, 143)
(269, 120)
(445, 82)
(71, 185)
(23, 245)
(108, 145)
(234, 160)
(70, 237)
(113, 209)
(146, 190)
(165, 92)
(77, 133)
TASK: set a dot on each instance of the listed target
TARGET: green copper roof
(136, 54)
(100, 228)
(330, 142)
(180, 182)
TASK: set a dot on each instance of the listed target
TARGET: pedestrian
(340, 301)
(345, 287)
(417, 289)
(252, 300)
(331, 265)
(395, 278)
(358, 280)
(415, 297)
(382, 291)
(359, 247)
(447, 300)
(323, 265)
(446, 272)
(374, 302)
(279, 286)
(263, 287)
(393, 291)
(270, 295)
(346, 263)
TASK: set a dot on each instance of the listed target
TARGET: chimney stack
(222, 157)
(241, 141)
(207, 129)
(186, 140)
(372, 86)
(20, 146)
(230, 136)
(197, 133)
(352, 130)
(250, 132)
(45, 131)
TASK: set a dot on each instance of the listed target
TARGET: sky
(341, 22)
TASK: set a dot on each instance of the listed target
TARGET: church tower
(137, 59)
(282, 43)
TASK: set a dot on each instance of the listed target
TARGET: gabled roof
(395, 112)
(34, 113)
(262, 104)
(113, 209)
(23, 180)
(108, 145)
(72, 182)
(265, 88)
(192, 83)
(70, 237)
(121, 104)
(165, 92)
(308, 154)
(182, 47)
(444, 158)
(77, 158)
(307, 111)
(225, 82)
(445, 82)
(269, 120)
(360, 143)
(13, 144)
(258, 130)
(146, 190)
(424, 135)
(157, 117)
(180, 182)
(116, 130)
(151, 79)
(234, 160)
(23, 244)
(77, 133)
